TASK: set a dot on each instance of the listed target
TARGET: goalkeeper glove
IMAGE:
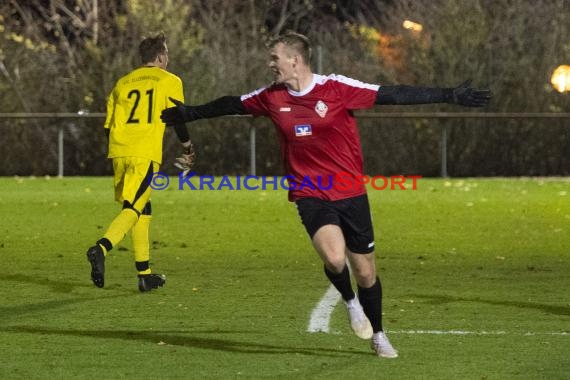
(186, 160)
(467, 96)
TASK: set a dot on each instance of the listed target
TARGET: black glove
(176, 115)
(467, 96)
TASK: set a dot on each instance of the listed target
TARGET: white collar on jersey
(309, 88)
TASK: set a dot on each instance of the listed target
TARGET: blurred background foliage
(65, 56)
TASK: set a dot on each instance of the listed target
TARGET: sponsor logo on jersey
(303, 130)
(285, 109)
(321, 108)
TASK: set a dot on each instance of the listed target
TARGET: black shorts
(352, 215)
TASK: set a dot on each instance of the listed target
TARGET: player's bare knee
(364, 272)
(365, 281)
(335, 263)
(364, 275)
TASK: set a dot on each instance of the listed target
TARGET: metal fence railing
(364, 115)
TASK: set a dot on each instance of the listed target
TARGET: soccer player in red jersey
(319, 140)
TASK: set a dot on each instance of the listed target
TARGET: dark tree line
(65, 55)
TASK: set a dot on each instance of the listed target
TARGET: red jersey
(317, 132)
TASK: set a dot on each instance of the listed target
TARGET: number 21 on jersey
(136, 94)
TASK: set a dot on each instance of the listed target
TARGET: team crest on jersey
(303, 130)
(321, 108)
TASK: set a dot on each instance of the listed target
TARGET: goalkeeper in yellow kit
(135, 134)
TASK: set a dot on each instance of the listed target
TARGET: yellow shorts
(132, 180)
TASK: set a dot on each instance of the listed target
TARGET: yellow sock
(104, 249)
(121, 225)
(141, 245)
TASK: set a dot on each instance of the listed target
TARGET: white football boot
(381, 345)
(358, 320)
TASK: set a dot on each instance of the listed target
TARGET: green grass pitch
(489, 257)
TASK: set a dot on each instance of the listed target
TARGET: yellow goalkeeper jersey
(133, 112)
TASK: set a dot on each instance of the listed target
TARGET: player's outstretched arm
(461, 95)
(467, 96)
(226, 105)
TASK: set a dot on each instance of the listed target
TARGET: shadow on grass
(443, 299)
(167, 339)
(58, 286)
(19, 311)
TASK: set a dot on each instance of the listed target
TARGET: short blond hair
(298, 42)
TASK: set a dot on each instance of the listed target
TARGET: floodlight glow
(412, 26)
(561, 78)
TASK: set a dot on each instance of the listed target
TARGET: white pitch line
(321, 315)
(461, 332)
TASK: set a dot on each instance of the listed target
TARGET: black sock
(371, 301)
(104, 242)
(141, 265)
(341, 282)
